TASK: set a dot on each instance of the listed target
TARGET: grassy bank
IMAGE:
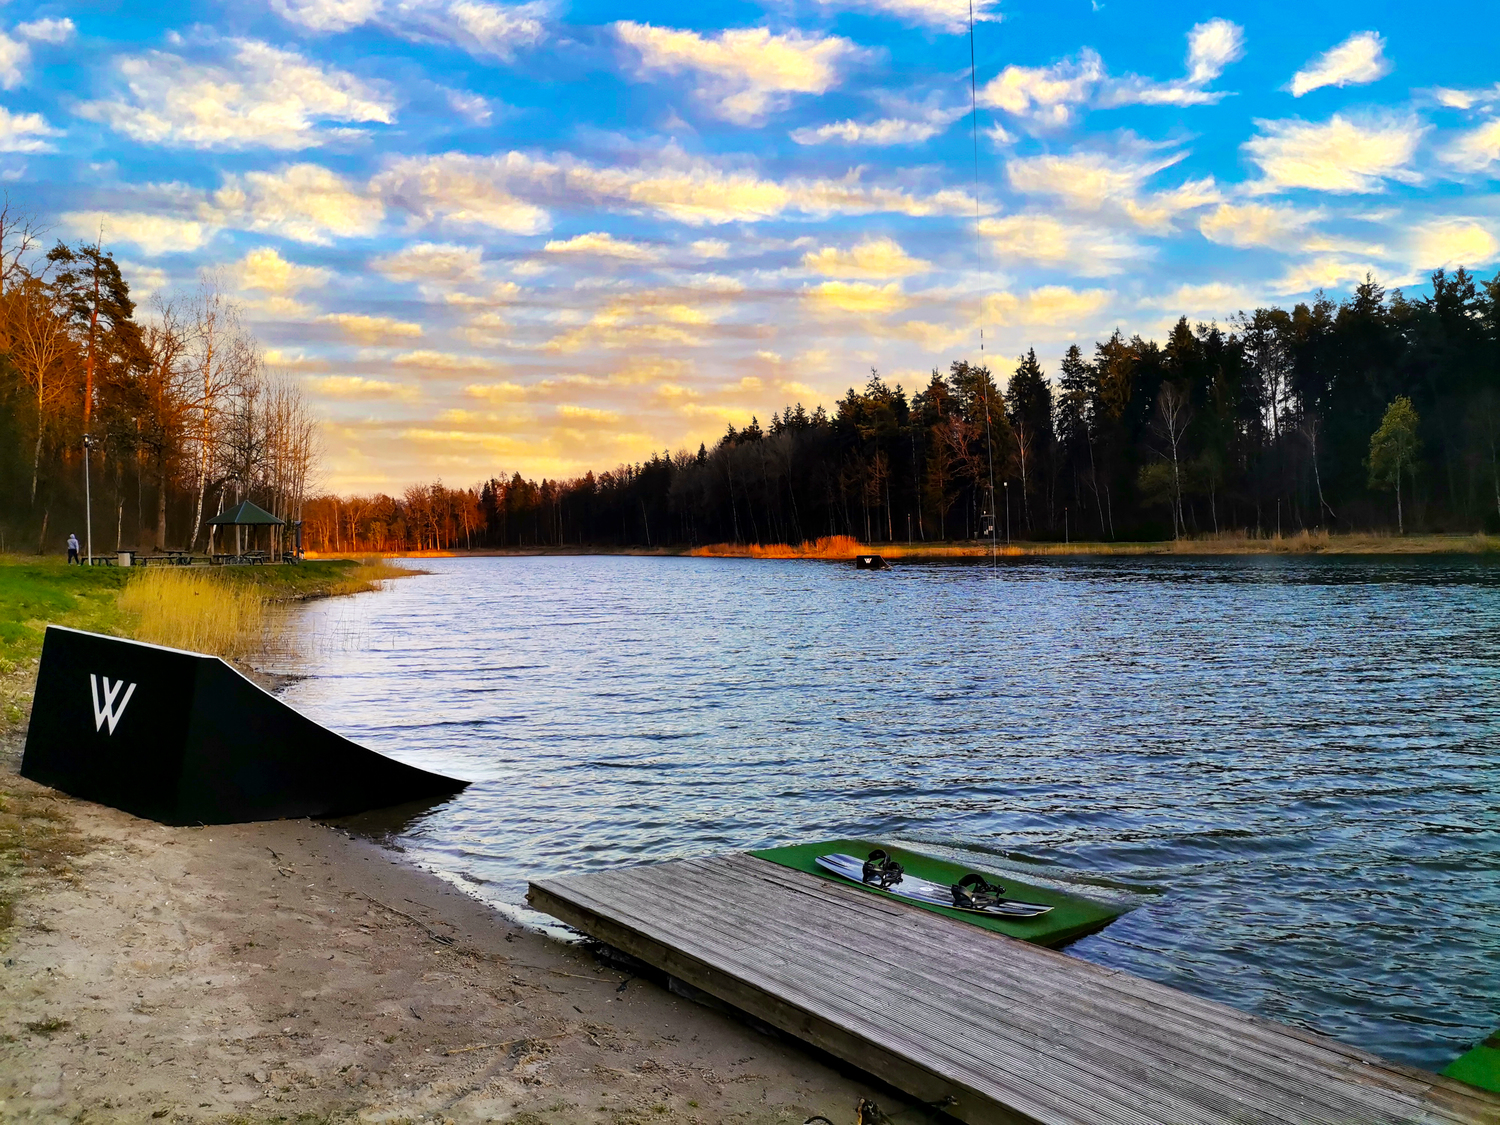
(1302, 543)
(223, 611)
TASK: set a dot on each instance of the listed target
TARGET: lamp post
(88, 506)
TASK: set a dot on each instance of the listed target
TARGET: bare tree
(221, 356)
(42, 349)
(1173, 413)
(166, 393)
(20, 235)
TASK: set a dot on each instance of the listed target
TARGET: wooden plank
(1321, 1047)
(654, 908)
(1013, 1032)
(1098, 1062)
(1046, 1015)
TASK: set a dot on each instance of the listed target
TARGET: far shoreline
(845, 549)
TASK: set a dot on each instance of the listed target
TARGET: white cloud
(1046, 95)
(480, 28)
(1477, 149)
(372, 329)
(951, 16)
(14, 56)
(743, 73)
(1466, 99)
(25, 132)
(1093, 181)
(505, 191)
(433, 263)
(152, 233)
(710, 248)
(262, 97)
(885, 131)
(326, 15)
(1323, 272)
(1089, 251)
(1341, 155)
(442, 363)
(47, 30)
(1211, 47)
(463, 190)
(306, 202)
(266, 272)
(601, 244)
(473, 107)
(856, 297)
(873, 258)
(1255, 224)
(1047, 306)
(1050, 97)
(1450, 243)
(359, 387)
(1354, 62)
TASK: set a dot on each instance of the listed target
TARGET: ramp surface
(1011, 1031)
(183, 738)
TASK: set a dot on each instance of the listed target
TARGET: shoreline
(260, 972)
(1302, 544)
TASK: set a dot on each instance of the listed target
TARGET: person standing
(73, 550)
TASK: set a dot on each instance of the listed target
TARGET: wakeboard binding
(975, 892)
(881, 870)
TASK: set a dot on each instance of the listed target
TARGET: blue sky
(548, 236)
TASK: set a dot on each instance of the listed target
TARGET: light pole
(1007, 513)
(88, 506)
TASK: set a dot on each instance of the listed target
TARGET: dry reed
(1225, 543)
(829, 547)
(195, 610)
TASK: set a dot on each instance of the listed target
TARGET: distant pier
(998, 1031)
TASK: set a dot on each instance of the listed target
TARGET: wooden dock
(1009, 1031)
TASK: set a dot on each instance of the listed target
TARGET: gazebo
(245, 514)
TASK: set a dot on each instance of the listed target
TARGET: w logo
(108, 710)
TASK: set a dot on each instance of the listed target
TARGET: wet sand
(289, 971)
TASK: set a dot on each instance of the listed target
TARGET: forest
(170, 408)
(1380, 412)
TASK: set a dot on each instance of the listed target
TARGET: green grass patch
(37, 592)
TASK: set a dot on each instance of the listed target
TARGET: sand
(289, 971)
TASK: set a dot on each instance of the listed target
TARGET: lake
(1290, 764)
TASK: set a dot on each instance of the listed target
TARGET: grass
(1227, 543)
(223, 610)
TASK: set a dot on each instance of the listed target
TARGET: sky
(555, 236)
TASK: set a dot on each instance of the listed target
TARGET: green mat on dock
(1071, 917)
(1480, 1066)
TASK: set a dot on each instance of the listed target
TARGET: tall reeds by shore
(1227, 543)
(228, 613)
(196, 610)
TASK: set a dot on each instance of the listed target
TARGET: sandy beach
(289, 971)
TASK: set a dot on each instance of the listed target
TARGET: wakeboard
(926, 892)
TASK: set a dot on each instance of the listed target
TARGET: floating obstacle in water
(993, 1029)
(1479, 1066)
(1069, 918)
(183, 738)
(870, 562)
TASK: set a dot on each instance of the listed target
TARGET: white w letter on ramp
(109, 710)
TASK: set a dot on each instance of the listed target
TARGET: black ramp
(183, 738)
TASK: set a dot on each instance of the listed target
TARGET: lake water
(1292, 765)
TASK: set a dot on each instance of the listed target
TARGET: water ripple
(1293, 759)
